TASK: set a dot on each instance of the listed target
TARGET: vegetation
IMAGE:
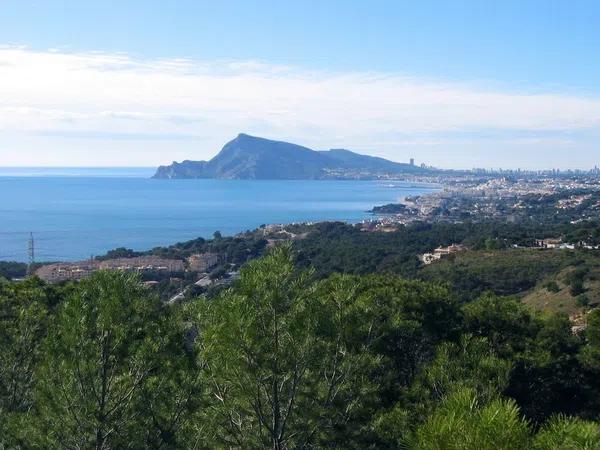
(506, 272)
(337, 247)
(291, 358)
(235, 250)
(462, 422)
(501, 258)
(11, 269)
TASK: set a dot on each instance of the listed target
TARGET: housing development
(511, 198)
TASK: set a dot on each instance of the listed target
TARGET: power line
(31, 253)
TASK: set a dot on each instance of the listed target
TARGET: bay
(74, 213)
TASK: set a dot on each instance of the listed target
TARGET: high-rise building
(412, 161)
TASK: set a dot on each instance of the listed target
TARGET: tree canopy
(287, 358)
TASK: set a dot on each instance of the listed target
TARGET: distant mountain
(250, 157)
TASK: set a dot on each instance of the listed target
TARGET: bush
(11, 269)
(217, 273)
(577, 288)
(583, 300)
(462, 422)
(566, 432)
(577, 276)
(552, 286)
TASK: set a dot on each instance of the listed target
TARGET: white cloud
(115, 94)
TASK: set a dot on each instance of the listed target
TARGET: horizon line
(472, 169)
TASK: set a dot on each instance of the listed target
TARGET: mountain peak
(249, 137)
(252, 157)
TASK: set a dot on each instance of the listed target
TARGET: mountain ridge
(251, 157)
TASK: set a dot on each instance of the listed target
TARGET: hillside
(547, 280)
(250, 157)
(558, 295)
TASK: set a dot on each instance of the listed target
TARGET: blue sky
(455, 84)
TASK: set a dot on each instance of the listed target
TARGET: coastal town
(510, 198)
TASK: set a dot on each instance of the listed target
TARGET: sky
(512, 84)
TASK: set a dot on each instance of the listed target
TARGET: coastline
(82, 216)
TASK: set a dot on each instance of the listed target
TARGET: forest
(292, 356)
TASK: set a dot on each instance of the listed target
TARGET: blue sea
(74, 213)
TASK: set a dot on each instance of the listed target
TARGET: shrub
(583, 300)
(577, 288)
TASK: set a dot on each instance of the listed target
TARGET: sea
(76, 213)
